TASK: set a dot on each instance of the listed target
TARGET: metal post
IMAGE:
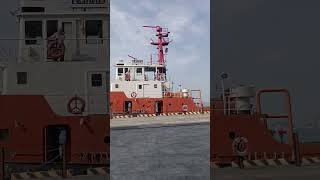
(297, 155)
(2, 164)
(64, 169)
(223, 97)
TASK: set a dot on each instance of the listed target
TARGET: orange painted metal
(261, 143)
(288, 108)
(26, 143)
(170, 104)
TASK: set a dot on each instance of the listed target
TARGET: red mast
(163, 41)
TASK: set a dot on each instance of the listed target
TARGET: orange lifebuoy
(55, 50)
(184, 108)
(76, 105)
(240, 146)
(134, 94)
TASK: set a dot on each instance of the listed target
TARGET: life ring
(55, 50)
(184, 108)
(134, 94)
(240, 146)
(76, 105)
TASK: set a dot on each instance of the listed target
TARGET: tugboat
(142, 87)
(53, 91)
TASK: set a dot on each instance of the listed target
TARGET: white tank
(243, 94)
(242, 91)
(185, 93)
(243, 104)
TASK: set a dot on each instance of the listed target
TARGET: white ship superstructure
(140, 78)
(63, 51)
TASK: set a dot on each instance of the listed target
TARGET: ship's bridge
(144, 80)
(137, 70)
(63, 30)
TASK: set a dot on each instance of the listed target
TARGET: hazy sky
(9, 27)
(271, 43)
(188, 21)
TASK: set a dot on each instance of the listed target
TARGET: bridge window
(52, 27)
(22, 78)
(155, 85)
(33, 32)
(94, 31)
(139, 71)
(116, 86)
(32, 9)
(140, 86)
(96, 80)
(120, 71)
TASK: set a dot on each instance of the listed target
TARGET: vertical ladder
(197, 99)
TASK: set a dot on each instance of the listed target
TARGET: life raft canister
(76, 105)
(134, 94)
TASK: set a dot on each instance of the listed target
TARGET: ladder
(197, 99)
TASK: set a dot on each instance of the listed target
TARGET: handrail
(288, 107)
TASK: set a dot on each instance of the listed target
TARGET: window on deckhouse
(94, 32)
(33, 32)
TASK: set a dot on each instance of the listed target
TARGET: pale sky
(189, 23)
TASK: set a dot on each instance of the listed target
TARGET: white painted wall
(59, 82)
(147, 91)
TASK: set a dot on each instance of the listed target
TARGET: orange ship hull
(148, 105)
(261, 144)
(31, 132)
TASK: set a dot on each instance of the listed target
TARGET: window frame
(29, 36)
(139, 73)
(119, 74)
(98, 38)
(21, 78)
(95, 81)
